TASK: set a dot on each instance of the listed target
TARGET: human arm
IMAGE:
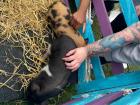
(75, 57)
(138, 10)
(114, 41)
(79, 17)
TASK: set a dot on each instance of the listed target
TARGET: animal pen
(17, 69)
(107, 90)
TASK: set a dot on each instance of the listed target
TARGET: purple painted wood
(102, 17)
(67, 2)
(105, 100)
(134, 2)
(106, 29)
(117, 68)
(72, 101)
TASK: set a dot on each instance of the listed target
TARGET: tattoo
(111, 42)
(120, 39)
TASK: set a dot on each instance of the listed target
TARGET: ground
(70, 90)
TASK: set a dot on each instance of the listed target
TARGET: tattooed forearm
(120, 39)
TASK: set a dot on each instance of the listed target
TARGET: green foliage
(63, 97)
(96, 29)
(17, 102)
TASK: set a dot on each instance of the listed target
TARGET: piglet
(53, 76)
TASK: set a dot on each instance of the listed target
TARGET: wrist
(82, 14)
(84, 6)
(82, 11)
(89, 50)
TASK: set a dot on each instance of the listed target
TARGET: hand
(138, 9)
(79, 19)
(75, 57)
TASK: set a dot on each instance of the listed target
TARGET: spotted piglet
(59, 18)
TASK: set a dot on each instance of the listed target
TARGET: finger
(84, 27)
(68, 59)
(75, 23)
(77, 26)
(72, 63)
(72, 22)
(75, 67)
(71, 52)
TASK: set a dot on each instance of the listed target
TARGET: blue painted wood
(86, 100)
(97, 68)
(131, 99)
(72, 101)
(81, 73)
(132, 12)
(90, 94)
(129, 11)
(111, 82)
(114, 83)
(98, 71)
(89, 99)
(108, 90)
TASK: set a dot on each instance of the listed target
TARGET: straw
(23, 23)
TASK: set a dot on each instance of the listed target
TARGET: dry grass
(23, 22)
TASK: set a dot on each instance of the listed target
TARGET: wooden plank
(110, 90)
(96, 99)
(67, 2)
(102, 15)
(98, 71)
(130, 99)
(107, 99)
(111, 82)
(85, 100)
(106, 29)
(129, 11)
(72, 101)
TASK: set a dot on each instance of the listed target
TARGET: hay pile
(23, 35)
